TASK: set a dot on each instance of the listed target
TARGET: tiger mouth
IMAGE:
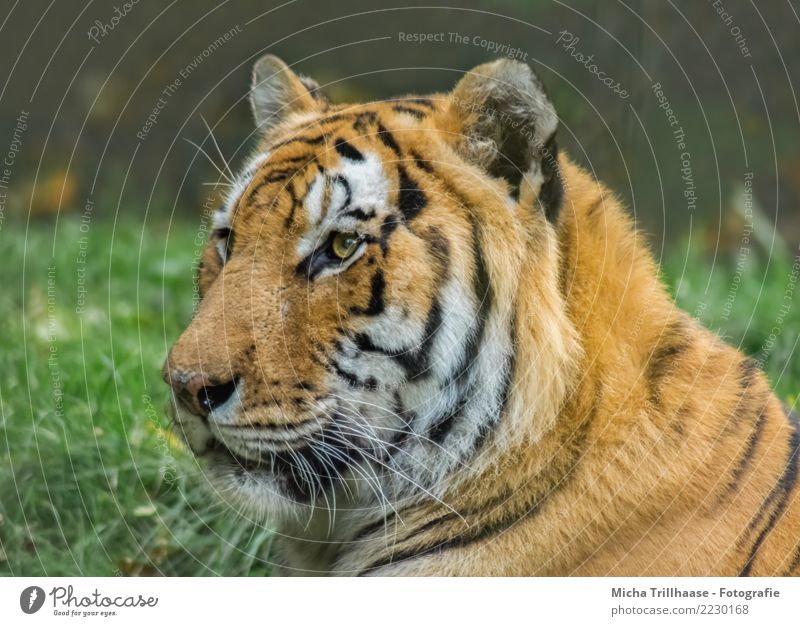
(301, 471)
(266, 461)
(284, 435)
(215, 446)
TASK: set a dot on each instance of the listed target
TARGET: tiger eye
(344, 245)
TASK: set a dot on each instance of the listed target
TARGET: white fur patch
(369, 191)
(223, 218)
(313, 200)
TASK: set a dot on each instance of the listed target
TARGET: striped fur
(495, 382)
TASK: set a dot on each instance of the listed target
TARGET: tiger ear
(505, 123)
(278, 92)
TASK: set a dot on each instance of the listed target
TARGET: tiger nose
(198, 392)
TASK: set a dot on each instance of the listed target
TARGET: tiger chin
(429, 343)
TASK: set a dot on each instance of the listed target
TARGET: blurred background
(687, 109)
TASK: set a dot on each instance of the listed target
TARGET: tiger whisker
(385, 448)
(331, 473)
(410, 432)
(219, 150)
(358, 468)
(397, 472)
(313, 481)
(210, 160)
(358, 430)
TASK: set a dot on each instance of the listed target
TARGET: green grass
(751, 299)
(93, 482)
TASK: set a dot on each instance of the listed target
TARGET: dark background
(87, 100)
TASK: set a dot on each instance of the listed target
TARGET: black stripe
(781, 492)
(311, 141)
(379, 524)
(426, 102)
(556, 479)
(350, 378)
(347, 150)
(421, 163)
(376, 304)
(340, 116)
(363, 121)
(749, 368)
(281, 176)
(415, 362)
(439, 249)
(663, 358)
(365, 344)
(278, 175)
(749, 450)
(336, 117)
(399, 108)
(304, 159)
(408, 417)
(749, 403)
(482, 290)
(295, 203)
(411, 198)
(488, 425)
(370, 383)
(370, 528)
(226, 234)
(551, 193)
(359, 214)
(388, 139)
(795, 561)
(348, 198)
(418, 100)
(439, 430)
(387, 228)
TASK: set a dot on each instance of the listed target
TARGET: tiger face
(355, 337)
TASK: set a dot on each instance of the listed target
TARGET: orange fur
(633, 441)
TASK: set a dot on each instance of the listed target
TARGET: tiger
(428, 343)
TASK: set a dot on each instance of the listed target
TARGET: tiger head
(361, 327)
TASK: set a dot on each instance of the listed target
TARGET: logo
(31, 599)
